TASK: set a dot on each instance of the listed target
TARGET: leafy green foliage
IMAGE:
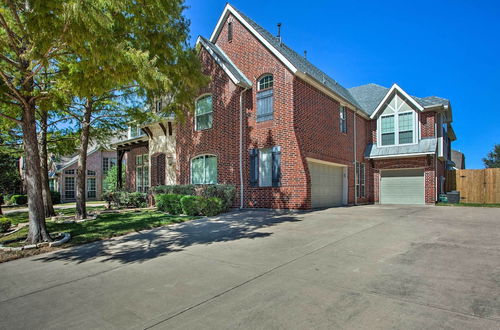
(192, 205)
(4, 225)
(180, 189)
(56, 197)
(170, 203)
(212, 206)
(226, 193)
(492, 160)
(10, 180)
(125, 199)
(23, 216)
(110, 182)
(19, 199)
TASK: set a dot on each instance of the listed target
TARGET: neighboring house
(289, 136)
(458, 159)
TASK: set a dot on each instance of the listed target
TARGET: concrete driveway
(367, 267)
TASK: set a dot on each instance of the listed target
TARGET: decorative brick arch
(158, 169)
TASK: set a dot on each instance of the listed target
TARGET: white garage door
(402, 187)
(326, 184)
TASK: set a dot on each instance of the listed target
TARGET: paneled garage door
(326, 184)
(402, 187)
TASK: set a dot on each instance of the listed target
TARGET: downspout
(355, 160)
(241, 147)
(435, 163)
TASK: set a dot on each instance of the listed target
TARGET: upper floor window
(70, 172)
(230, 31)
(158, 106)
(204, 169)
(343, 119)
(265, 107)
(203, 113)
(107, 163)
(397, 123)
(134, 131)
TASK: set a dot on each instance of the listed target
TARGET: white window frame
(211, 113)
(142, 167)
(204, 156)
(66, 186)
(262, 152)
(396, 114)
(70, 172)
(89, 186)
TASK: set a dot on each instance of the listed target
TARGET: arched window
(204, 169)
(265, 93)
(203, 113)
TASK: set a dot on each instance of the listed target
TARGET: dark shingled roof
(370, 95)
(225, 61)
(301, 63)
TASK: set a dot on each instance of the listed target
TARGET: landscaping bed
(107, 225)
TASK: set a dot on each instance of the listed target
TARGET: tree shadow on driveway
(149, 244)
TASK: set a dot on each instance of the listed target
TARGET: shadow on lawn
(142, 246)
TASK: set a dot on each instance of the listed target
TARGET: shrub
(226, 193)
(4, 224)
(170, 203)
(2, 200)
(137, 199)
(56, 197)
(19, 199)
(212, 206)
(178, 189)
(122, 199)
(192, 205)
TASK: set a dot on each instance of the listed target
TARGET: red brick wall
(427, 123)
(428, 163)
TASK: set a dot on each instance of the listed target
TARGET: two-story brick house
(289, 136)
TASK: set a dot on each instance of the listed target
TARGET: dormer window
(265, 106)
(158, 106)
(397, 124)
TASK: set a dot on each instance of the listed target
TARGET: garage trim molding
(344, 175)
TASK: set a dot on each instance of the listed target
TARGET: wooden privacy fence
(475, 186)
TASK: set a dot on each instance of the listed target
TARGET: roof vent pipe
(279, 32)
(305, 54)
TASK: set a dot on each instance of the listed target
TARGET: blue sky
(446, 48)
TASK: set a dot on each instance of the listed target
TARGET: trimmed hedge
(19, 199)
(4, 224)
(170, 203)
(125, 199)
(179, 189)
(192, 205)
(227, 193)
(212, 206)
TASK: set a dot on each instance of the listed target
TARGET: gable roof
(225, 62)
(370, 96)
(295, 62)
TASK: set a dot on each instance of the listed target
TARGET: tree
(110, 182)
(492, 160)
(10, 180)
(104, 44)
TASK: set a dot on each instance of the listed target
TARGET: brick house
(289, 136)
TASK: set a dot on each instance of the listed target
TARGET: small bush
(4, 224)
(225, 192)
(121, 199)
(178, 189)
(56, 197)
(19, 199)
(192, 205)
(170, 203)
(212, 206)
(137, 199)
(2, 200)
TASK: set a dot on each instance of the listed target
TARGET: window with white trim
(69, 187)
(360, 180)
(134, 131)
(343, 119)
(142, 173)
(52, 185)
(230, 31)
(265, 98)
(204, 169)
(203, 113)
(91, 188)
(70, 172)
(397, 124)
(91, 173)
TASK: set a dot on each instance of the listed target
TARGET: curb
(66, 237)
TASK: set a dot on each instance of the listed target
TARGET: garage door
(326, 184)
(402, 187)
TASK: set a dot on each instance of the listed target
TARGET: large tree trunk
(81, 210)
(37, 230)
(47, 198)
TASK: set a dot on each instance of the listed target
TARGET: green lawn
(469, 204)
(107, 225)
(22, 216)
